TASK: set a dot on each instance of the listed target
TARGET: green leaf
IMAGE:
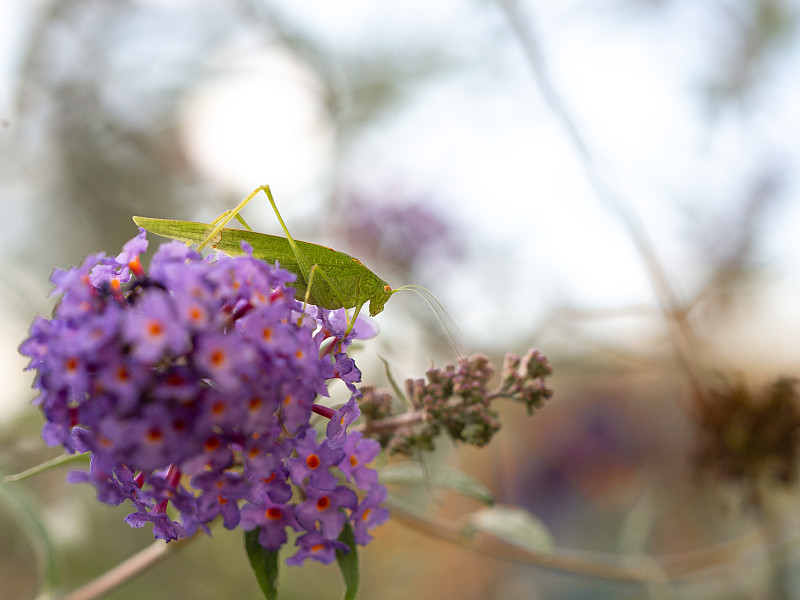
(512, 524)
(348, 563)
(439, 476)
(264, 563)
(398, 392)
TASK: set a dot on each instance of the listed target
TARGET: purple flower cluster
(192, 386)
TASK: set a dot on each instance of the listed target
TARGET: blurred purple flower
(401, 233)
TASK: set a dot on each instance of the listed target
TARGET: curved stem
(393, 422)
(127, 570)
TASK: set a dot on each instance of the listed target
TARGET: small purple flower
(220, 495)
(335, 322)
(220, 412)
(264, 458)
(266, 329)
(295, 407)
(36, 345)
(369, 514)
(164, 528)
(153, 330)
(313, 461)
(173, 261)
(123, 375)
(79, 296)
(175, 385)
(347, 371)
(274, 486)
(96, 331)
(317, 547)
(223, 359)
(133, 248)
(272, 518)
(215, 455)
(77, 280)
(164, 488)
(358, 453)
(128, 258)
(110, 490)
(337, 427)
(325, 507)
(73, 372)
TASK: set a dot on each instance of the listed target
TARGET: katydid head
(379, 299)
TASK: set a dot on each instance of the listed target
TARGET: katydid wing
(343, 283)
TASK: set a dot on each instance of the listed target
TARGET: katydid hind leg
(220, 222)
(302, 260)
(305, 267)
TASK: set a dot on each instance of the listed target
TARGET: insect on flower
(326, 277)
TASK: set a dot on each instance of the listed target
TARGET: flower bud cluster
(524, 379)
(377, 405)
(192, 386)
(455, 400)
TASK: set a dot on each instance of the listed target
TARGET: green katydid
(328, 278)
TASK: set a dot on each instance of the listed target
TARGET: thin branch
(607, 191)
(636, 569)
(394, 422)
(127, 570)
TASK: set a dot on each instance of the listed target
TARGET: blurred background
(615, 182)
